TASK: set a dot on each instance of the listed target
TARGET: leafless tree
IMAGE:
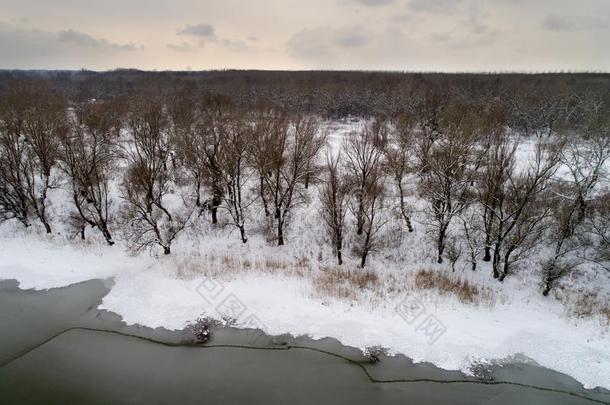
(498, 166)
(291, 151)
(214, 127)
(145, 188)
(473, 235)
(596, 234)
(400, 159)
(87, 155)
(14, 199)
(446, 182)
(266, 124)
(334, 199)
(233, 166)
(364, 153)
(584, 158)
(535, 113)
(213, 141)
(373, 208)
(519, 211)
(453, 251)
(187, 140)
(33, 117)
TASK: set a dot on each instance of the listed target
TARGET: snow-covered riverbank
(161, 292)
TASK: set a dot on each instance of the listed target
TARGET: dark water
(41, 365)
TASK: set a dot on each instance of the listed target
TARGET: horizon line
(447, 72)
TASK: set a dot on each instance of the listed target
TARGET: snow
(276, 287)
(147, 292)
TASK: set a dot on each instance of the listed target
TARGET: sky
(403, 35)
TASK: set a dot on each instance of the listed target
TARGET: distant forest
(335, 94)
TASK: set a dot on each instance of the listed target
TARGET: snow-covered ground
(278, 289)
(147, 291)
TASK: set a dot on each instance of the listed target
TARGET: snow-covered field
(279, 290)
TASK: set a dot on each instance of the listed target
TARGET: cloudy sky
(440, 35)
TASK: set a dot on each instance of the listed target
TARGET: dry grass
(224, 266)
(589, 305)
(340, 283)
(465, 292)
(583, 303)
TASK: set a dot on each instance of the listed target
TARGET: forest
(493, 169)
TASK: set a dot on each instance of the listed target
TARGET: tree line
(499, 178)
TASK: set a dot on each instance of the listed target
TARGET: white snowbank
(147, 292)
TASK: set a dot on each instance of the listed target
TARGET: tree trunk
(403, 208)
(487, 255)
(280, 234)
(496, 262)
(216, 201)
(494, 266)
(360, 216)
(242, 232)
(339, 247)
(262, 194)
(214, 211)
(548, 285)
(106, 233)
(506, 266)
(47, 227)
(363, 258)
(198, 191)
(441, 245)
(488, 225)
(409, 225)
(548, 271)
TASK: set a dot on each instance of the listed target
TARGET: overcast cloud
(439, 35)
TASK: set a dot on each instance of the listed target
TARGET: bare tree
(596, 234)
(214, 127)
(32, 119)
(87, 154)
(472, 235)
(214, 142)
(534, 112)
(400, 159)
(187, 140)
(265, 124)
(291, 151)
(146, 184)
(453, 251)
(364, 154)
(446, 182)
(232, 163)
(498, 166)
(334, 199)
(14, 199)
(584, 159)
(519, 211)
(373, 219)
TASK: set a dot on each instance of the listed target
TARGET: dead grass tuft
(466, 292)
(590, 304)
(223, 266)
(271, 263)
(340, 283)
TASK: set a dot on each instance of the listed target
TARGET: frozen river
(56, 347)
